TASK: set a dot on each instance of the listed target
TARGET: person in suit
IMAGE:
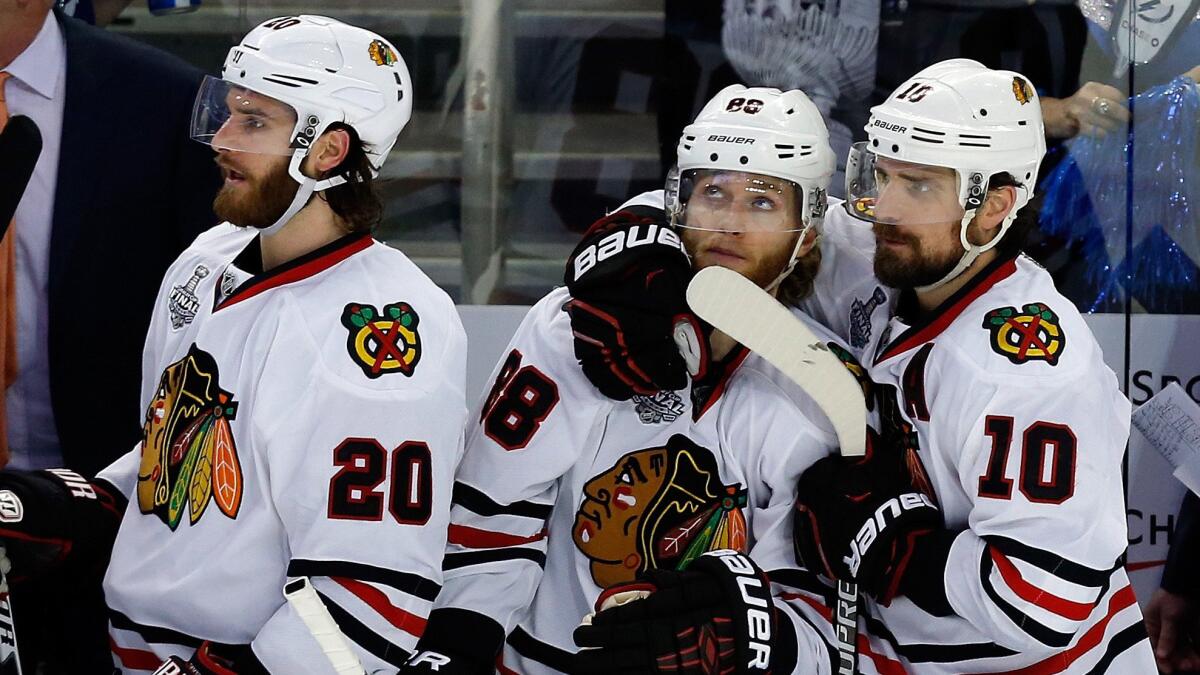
(118, 192)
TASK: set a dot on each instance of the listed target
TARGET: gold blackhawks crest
(657, 508)
(189, 457)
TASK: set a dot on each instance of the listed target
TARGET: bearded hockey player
(303, 391)
(620, 469)
(996, 385)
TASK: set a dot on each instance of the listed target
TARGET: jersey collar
(931, 324)
(707, 389)
(297, 269)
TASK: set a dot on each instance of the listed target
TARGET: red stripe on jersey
(1069, 609)
(134, 659)
(285, 275)
(946, 315)
(406, 621)
(501, 668)
(476, 538)
(885, 665)
(1092, 638)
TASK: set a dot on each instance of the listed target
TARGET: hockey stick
(303, 598)
(743, 311)
(10, 656)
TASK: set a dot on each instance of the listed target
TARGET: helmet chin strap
(792, 260)
(305, 192)
(971, 251)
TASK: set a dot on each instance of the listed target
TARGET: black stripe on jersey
(413, 584)
(477, 502)
(534, 649)
(363, 636)
(1036, 630)
(152, 634)
(453, 561)
(917, 652)
(1051, 563)
(1121, 642)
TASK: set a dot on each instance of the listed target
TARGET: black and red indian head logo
(383, 342)
(657, 508)
(189, 457)
(1032, 334)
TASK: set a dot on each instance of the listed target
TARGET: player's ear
(328, 151)
(988, 217)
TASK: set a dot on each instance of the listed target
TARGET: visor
(230, 117)
(735, 201)
(890, 191)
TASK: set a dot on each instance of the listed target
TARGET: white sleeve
(538, 416)
(361, 473)
(122, 473)
(1039, 457)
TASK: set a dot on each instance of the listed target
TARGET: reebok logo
(887, 513)
(638, 235)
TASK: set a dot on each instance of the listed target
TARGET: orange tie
(8, 316)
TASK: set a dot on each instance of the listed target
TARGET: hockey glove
(715, 617)
(628, 279)
(215, 659)
(861, 518)
(46, 516)
(456, 642)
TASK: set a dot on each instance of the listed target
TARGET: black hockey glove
(456, 642)
(46, 516)
(861, 519)
(628, 279)
(715, 617)
(215, 659)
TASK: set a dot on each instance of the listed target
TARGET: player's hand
(215, 659)
(47, 515)
(859, 519)
(715, 617)
(456, 642)
(1094, 110)
(442, 663)
(628, 281)
(1173, 623)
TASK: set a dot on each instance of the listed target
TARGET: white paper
(1170, 421)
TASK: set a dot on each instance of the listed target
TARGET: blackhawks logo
(383, 342)
(188, 454)
(381, 53)
(1022, 90)
(1033, 334)
(657, 508)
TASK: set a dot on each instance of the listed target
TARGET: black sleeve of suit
(1179, 575)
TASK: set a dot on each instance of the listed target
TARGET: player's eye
(919, 187)
(713, 192)
(253, 123)
(763, 204)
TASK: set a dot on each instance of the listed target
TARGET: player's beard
(916, 267)
(259, 201)
(761, 269)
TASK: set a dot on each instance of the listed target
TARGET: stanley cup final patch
(182, 302)
(382, 342)
(1031, 334)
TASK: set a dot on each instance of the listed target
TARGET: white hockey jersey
(1022, 429)
(305, 421)
(595, 491)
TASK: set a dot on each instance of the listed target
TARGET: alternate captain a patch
(383, 342)
(1032, 334)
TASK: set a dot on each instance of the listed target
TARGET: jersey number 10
(1043, 442)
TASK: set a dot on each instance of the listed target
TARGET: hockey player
(303, 392)
(1003, 392)
(585, 460)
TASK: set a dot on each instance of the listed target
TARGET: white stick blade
(737, 307)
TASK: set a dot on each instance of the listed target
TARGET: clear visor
(885, 190)
(736, 201)
(229, 117)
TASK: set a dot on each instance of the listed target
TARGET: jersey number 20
(354, 490)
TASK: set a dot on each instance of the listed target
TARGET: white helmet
(758, 130)
(325, 71)
(961, 115)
